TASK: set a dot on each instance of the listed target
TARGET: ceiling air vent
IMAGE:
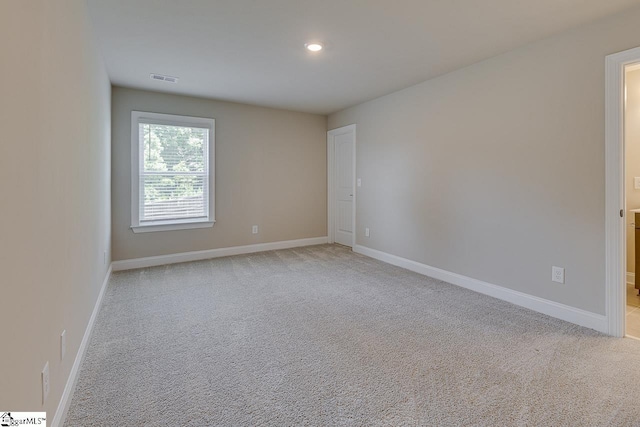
(160, 77)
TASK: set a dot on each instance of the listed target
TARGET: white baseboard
(153, 261)
(631, 278)
(67, 394)
(541, 305)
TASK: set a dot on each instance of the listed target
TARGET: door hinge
(621, 213)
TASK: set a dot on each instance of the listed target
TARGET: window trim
(173, 224)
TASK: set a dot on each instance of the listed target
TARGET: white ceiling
(252, 51)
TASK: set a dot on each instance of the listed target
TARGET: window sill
(171, 226)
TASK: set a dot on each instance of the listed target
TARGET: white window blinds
(173, 172)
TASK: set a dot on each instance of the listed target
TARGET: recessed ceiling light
(314, 47)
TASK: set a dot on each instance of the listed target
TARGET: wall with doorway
(496, 171)
(632, 160)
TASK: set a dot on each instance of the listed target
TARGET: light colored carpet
(321, 336)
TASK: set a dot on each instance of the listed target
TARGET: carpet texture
(322, 336)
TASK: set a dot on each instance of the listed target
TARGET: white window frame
(138, 117)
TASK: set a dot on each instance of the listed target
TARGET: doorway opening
(632, 197)
(622, 192)
(341, 180)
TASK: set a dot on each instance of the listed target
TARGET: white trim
(355, 189)
(330, 167)
(130, 264)
(615, 260)
(541, 305)
(67, 394)
(186, 225)
(631, 278)
(330, 170)
(171, 119)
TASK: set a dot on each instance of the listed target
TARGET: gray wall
(55, 185)
(496, 171)
(270, 172)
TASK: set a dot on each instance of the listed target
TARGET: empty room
(282, 213)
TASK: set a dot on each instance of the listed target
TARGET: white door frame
(616, 262)
(330, 172)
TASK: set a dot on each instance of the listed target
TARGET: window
(172, 172)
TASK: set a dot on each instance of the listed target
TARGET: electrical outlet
(636, 182)
(45, 382)
(366, 232)
(557, 274)
(359, 182)
(63, 344)
(254, 229)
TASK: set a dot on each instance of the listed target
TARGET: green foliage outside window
(174, 168)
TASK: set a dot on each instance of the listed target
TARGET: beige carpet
(321, 336)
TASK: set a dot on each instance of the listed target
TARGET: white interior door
(343, 185)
